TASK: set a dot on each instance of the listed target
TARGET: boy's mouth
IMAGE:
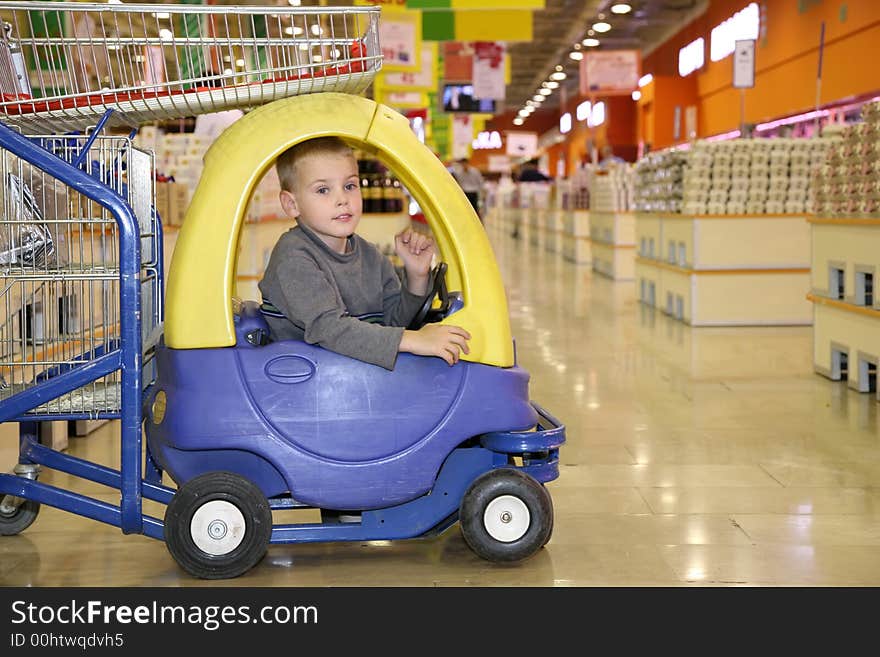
(342, 217)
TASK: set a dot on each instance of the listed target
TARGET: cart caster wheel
(15, 521)
(506, 515)
(218, 525)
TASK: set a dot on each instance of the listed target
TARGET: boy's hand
(416, 250)
(441, 340)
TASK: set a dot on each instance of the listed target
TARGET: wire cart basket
(81, 262)
(64, 64)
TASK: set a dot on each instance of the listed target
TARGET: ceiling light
(553, 84)
(645, 79)
(517, 121)
(317, 30)
(576, 55)
(293, 3)
(523, 113)
(636, 94)
(545, 92)
(557, 75)
(621, 8)
(538, 98)
(601, 26)
(590, 42)
(162, 15)
(531, 103)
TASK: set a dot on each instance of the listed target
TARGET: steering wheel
(437, 287)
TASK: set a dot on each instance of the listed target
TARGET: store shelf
(725, 270)
(613, 244)
(846, 312)
(576, 243)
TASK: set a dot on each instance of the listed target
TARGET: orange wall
(786, 61)
(656, 121)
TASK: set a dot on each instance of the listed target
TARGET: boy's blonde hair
(287, 161)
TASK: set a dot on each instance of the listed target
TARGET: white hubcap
(506, 518)
(217, 527)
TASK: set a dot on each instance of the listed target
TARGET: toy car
(245, 426)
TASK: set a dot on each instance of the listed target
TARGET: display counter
(612, 237)
(846, 312)
(725, 270)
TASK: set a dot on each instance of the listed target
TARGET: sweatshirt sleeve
(311, 301)
(399, 305)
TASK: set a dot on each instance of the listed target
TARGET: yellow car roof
(201, 279)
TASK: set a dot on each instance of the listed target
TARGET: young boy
(328, 286)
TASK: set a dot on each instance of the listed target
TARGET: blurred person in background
(529, 173)
(609, 158)
(470, 180)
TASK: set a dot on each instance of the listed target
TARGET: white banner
(488, 70)
(744, 64)
(426, 78)
(522, 144)
(397, 34)
(462, 131)
(610, 72)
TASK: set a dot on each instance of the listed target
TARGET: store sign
(692, 57)
(488, 70)
(744, 64)
(610, 72)
(487, 140)
(424, 79)
(522, 144)
(400, 36)
(744, 24)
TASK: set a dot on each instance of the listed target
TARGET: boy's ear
(288, 204)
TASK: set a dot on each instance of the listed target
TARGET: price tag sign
(744, 64)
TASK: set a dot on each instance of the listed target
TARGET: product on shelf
(658, 182)
(848, 182)
(611, 190)
(380, 191)
(732, 177)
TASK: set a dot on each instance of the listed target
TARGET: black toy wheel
(506, 515)
(17, 520)
(218, 525)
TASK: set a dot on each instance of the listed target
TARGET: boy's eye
(350, 187)
(322, 190)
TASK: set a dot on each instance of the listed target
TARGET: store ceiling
(564, 23)
(560, 25)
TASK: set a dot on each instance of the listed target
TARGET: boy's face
(326, 197)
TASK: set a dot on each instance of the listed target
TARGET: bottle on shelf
(367, 203)
(398, 195)
(375, 192)
(388, 202)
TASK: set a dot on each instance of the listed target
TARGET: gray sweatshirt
(352, 303)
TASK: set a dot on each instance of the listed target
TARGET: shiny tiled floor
(694, 457)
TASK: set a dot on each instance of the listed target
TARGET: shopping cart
(65, 64)
(244, 426)
(81, 262)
